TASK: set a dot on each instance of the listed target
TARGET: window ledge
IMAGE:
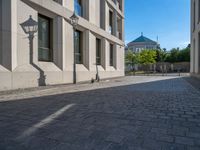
(48, 66)
(100, 68)
(3, 69)
(81, 67)
(111, 68)
(25, 68)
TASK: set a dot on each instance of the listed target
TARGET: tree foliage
(184, 55)
(147, 57)
(177, 55)
(131, 57)
(160, 55)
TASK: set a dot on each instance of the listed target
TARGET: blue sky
(167, 19)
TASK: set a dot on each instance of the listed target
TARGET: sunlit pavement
(129, 113)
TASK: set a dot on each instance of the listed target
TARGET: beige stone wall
(195, 37)
(15, 69)
(0, 32)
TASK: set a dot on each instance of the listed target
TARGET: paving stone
(185, 141)
(165, 138)
(197, 142)
(193, 148)
(114, 146)
(151, 144)
(176, 132)
(193, 134)
(159, 130)
(173, 146)
(116, 138)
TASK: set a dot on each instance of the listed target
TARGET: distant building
(142, 43)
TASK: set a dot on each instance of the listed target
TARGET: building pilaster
(9, 34)
(105, 54)
(59, 38)
(115, 27)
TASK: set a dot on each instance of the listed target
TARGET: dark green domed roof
(143, 39)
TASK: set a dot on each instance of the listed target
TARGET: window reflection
(78, 7)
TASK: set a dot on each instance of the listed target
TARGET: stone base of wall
(195, 75)
(20, 80)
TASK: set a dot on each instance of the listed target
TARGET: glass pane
(78, 7)
(111, 55)
(98, 51)
(44, 54)
(43, 32)
(78, 47)
(44, 39)
(110, 22)
(78, 59)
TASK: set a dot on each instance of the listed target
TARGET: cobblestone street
(129, 113)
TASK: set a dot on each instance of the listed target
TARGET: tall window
(111, 55)
(194, 53)
(78, 7)
(78, 47)
(98, 51)
(110, 22)
(199, 52)
(44, 39)
(119, 4)
(119, 27)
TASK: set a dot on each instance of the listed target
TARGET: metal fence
(158, 68)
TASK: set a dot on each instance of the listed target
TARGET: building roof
(143, 39)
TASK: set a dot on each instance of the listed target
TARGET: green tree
(147, 57)
(184, 55)
(131, 58)
(160, 55)
(177, 55)
(173, 56)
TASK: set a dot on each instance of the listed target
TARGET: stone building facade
(142, 43)
(99, 41)
(195, 38)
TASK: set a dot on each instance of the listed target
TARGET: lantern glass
(29, 29)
